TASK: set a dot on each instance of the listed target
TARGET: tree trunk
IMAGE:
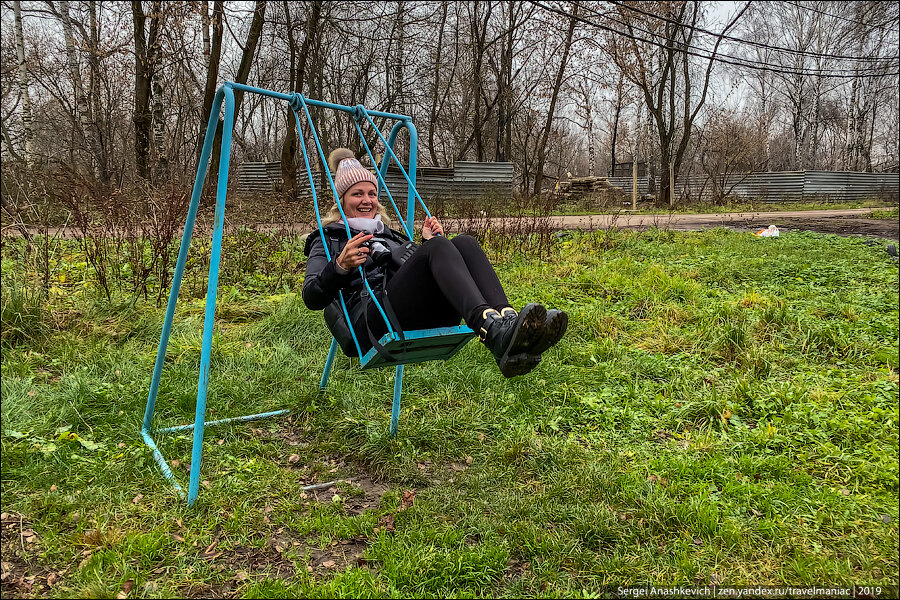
(212, 76)
(27, 117)
(83, 128)
(289, 147)
(615, 131)
(145, 59)
(101, 152)
(243, 72)
(436, 90)
(542, 146)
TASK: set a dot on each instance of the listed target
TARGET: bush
(23, 316)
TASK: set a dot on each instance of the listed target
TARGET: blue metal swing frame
(408, 347)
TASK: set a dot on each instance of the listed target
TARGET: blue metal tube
(411, 177)
(312, 186)
(319, 103)
(163, 465)
(395, 408)
(362, 272)
(243, 419)
(211, 291)
(326, 372)
(385, 164)
(390, 150)
(382, 184)
(182, 259)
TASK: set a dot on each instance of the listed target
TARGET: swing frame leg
(395, 408)
(224, 95)
(326, 372)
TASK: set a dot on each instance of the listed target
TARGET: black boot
(552, 329)
(510, 337)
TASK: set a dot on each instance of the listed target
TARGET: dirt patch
(21, 575)
(338, 556)
(847, 226)
(841, 222)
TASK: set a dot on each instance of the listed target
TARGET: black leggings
(444, 281)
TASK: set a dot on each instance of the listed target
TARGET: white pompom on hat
(347, 170)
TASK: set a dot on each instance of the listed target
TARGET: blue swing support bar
(411, 346)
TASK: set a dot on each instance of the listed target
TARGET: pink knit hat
(347, 170)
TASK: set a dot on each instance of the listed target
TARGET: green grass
(722, 409)
(887, 213)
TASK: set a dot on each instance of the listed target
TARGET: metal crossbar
(411, 346)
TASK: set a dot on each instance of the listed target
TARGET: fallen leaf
(137, 499)
(468, 460)
(177, 537)
(122, 445)
(206, 483)
(53, 488)
(409, 496)
(294, 458)
(241, 576)
(220, 441)
(328, 564)
(387, 522)
(126, 587)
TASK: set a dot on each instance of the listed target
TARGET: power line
(828, 14)
(751, 63)
(748, 42)
(722, 58)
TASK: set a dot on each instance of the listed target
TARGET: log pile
(597, 189)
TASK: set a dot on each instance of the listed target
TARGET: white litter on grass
(770, 231)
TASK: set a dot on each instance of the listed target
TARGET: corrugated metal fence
(464, 180)
(474, 179)
(780, 186)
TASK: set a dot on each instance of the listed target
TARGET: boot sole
(553, 332)
(517, 360)
(519, 364)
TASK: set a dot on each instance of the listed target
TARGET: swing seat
(421, 345)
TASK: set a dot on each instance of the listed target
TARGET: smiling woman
(422, 287)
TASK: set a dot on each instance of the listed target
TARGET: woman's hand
(431, 228)
(354, 253)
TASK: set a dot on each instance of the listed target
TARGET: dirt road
(842, 222)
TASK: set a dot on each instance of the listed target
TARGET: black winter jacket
(323, 282)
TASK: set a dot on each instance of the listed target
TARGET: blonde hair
(334, 215)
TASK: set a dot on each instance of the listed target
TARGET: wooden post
(671, 184)
(634, 184)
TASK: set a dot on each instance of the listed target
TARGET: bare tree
(146, 53)
(554, 95)
(667, 83)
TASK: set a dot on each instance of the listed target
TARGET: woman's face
(361, 200)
